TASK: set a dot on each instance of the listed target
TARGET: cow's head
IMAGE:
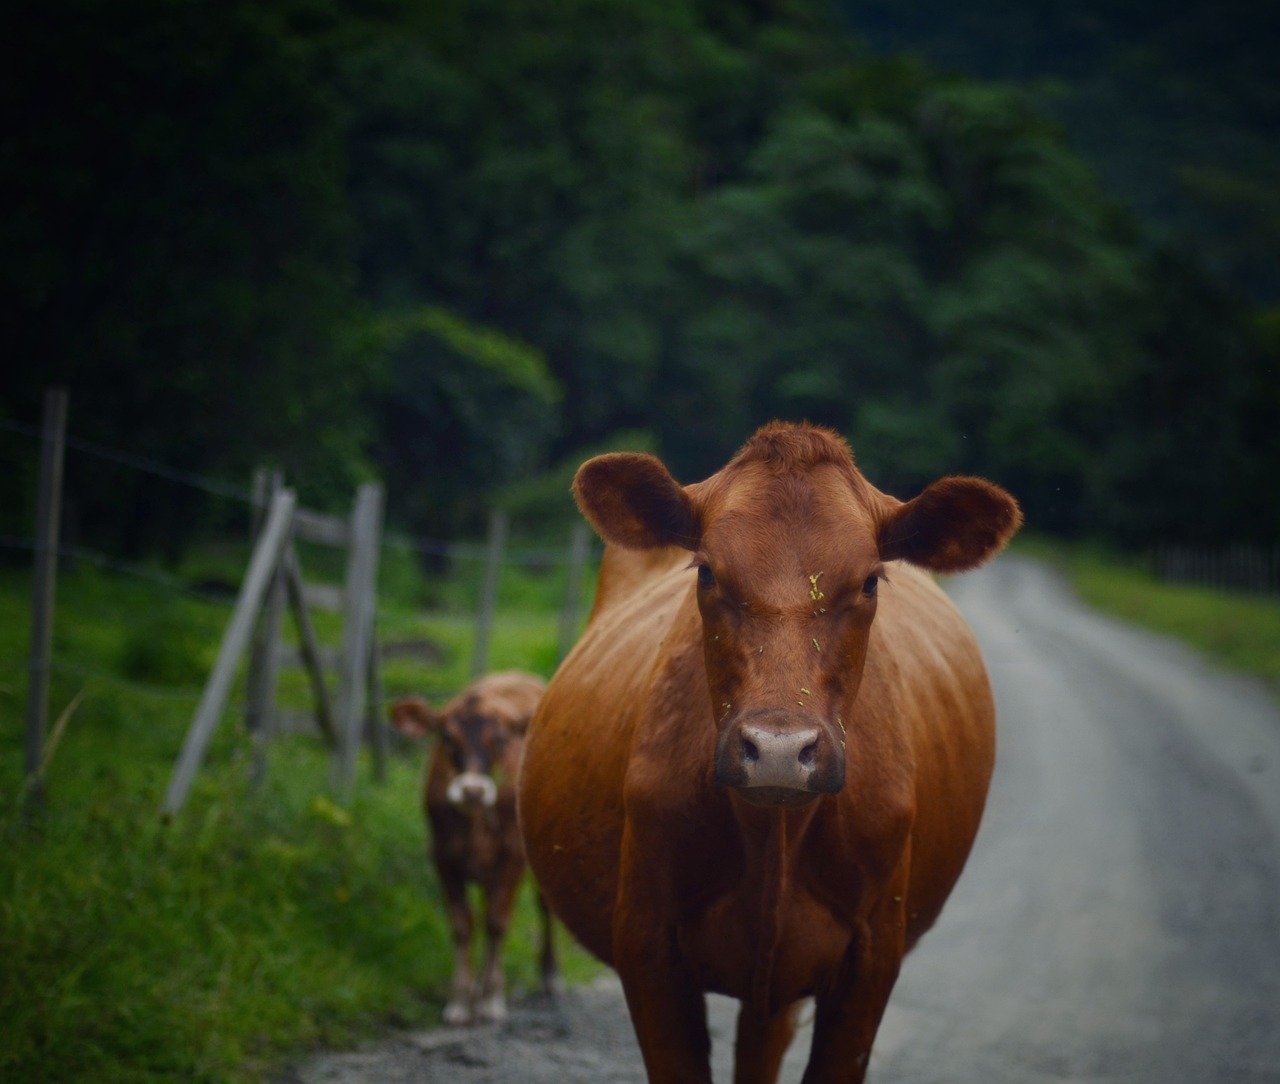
(474, 733)
(789, 545)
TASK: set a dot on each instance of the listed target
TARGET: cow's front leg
(462, 986)
(849, 1012)
(667, 1009)
(761, 1043)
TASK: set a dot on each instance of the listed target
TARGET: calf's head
(473, 733)
(789, 544)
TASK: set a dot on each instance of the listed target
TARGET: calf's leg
(462, 986)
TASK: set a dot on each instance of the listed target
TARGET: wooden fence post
(375, 717)
(262, 566)
(358, 632)
(264, 655)
(44, 586)
(489, 591)
(573, 590)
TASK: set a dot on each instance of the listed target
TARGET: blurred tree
(176, 246)
(525, 163)
(466, 410)
(452, 242)
(1175, 105)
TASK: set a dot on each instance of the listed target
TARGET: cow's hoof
(457, 1014)
(492, 1010)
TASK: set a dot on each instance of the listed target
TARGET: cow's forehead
(770, 531)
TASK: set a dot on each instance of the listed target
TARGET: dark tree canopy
(455, 243)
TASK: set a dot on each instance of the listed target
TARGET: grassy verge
(263, 919)
(1239, 629)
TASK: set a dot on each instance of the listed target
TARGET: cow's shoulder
(919, 634)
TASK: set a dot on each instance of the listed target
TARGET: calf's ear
(519, 724)
(413, 716)
(954, 525)
(632, 500)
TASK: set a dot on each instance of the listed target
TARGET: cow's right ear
(413, 716)
(956, 524)
(633, 501)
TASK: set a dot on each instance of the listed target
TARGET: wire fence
(1249, 568)
(68, 659)
(1255, 569)
(422, 545)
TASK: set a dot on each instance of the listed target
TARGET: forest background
(458, 245)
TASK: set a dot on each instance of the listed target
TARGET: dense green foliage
(456, 243)
(1176, 104)
(264, 920)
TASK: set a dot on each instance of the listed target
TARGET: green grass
(1239, 629)
(267, 920)
(262, 920)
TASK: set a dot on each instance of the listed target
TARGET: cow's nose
(774, 757)
(772, 760)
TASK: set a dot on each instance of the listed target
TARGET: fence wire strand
(140, 572)
(140, 463)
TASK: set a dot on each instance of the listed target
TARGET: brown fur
(686, 886)
(480, 731)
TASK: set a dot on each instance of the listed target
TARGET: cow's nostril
(809, 754)
(750, 751)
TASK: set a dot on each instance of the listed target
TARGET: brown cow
(760, 771)
(468, 796)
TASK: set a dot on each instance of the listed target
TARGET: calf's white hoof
(457, 1014)
(492, 1010)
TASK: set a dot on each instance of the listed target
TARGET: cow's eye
(870, 584)
(706, 578)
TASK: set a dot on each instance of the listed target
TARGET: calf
(468, 796)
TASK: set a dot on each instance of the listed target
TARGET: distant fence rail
(1243, 567)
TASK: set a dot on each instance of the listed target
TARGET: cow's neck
(771, 840)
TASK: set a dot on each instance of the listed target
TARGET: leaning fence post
(44, 585)
(308, 645)
(262, 566)
(489, 591)
(264, 654)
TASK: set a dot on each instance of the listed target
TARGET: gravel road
(1119, 919)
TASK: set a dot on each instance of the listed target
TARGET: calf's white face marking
(472, 790)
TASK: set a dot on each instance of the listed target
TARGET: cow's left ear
(633, 501)
(414, 716)
(954, 525)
